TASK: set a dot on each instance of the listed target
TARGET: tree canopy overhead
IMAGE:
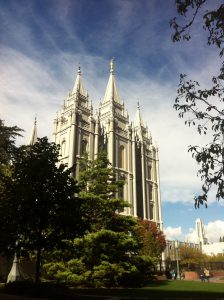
(203, 107)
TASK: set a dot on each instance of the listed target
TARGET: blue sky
(42, 43)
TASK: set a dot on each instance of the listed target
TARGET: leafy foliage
(152, 238)
(191, 257)
(8, 151)
(7, 142)
(203, 108)
(38, 204)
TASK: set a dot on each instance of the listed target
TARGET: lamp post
(177, 259)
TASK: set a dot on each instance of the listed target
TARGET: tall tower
(129, 145)
(146, 171)
(33, 135)
(200, 232)
(75, 127)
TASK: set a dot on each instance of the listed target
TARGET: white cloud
(173, 233)
(191, 236)
(34, 82)
(213, 231)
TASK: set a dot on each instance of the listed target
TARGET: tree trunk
(38, 260)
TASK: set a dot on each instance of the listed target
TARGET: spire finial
(35, 120)
(138, 105)
(112, 66)
(79, 69)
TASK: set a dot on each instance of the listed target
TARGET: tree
(99, 189)
(191, 258)
(203, 108)
(8, 151)
(152, 239)
(7, 142)
(39, 201)
(108, 253)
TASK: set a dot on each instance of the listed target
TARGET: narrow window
(151, 214)
(149, 171)
(121, 157)
(83, 147)
(63, 148)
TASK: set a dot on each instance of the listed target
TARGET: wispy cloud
(173, 233)
(42, 44)
(213, 231)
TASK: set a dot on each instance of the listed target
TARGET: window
(151, 214)
(63, 148)
(149, 167)
(150, 192)
(121, 196)
(83, 147)
(121, 157)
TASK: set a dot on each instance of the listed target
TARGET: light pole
(177, 258)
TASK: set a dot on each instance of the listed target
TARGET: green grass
(159, 290)
(163, 290)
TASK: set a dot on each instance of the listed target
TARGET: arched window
(121, 157)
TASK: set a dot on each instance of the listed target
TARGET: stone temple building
(128, 144)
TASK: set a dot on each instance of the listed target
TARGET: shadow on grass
(157, 290)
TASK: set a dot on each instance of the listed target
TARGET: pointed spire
(78, 86)
(138, 117)
(15, 273)
(111, 93)
(112, 66)
(33, 136)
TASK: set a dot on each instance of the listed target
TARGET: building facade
(128, 144)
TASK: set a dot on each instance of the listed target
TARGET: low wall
(190, 275)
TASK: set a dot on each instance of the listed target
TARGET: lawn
(161, 290)
(164, 290)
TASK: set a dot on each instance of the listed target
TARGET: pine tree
(109, 250)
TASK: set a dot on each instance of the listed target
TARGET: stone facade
(128, 144)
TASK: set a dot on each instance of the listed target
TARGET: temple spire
(78, 86)
(112, 66)
(111, 93)
(33, 136)
(138, 117)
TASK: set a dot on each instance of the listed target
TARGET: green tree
(191, 258)
(108, 253)
(99, 188)
(8, 151)
(203, 107)
(8, 148)
(39, 202)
